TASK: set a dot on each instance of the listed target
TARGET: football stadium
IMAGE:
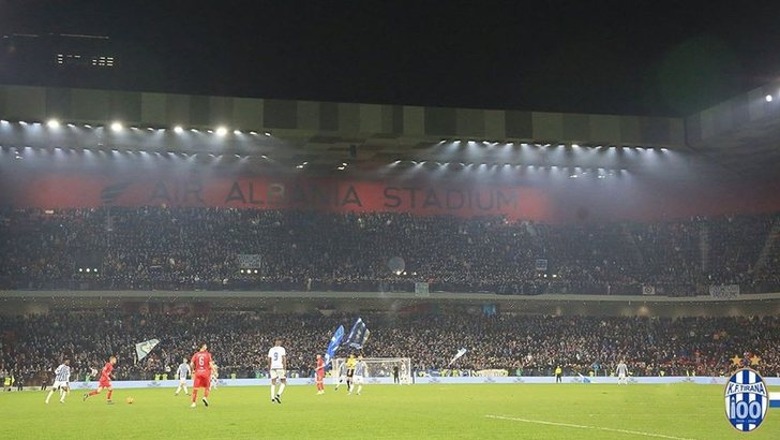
(181, 265)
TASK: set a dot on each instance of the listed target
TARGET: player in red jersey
(319, 375)
(105, 381)
(201, 367)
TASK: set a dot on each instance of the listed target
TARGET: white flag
(457, 356)
(142, 349)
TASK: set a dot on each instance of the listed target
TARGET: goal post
(379, 367)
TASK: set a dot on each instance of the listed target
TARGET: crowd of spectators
(158, 248)
(524, 345)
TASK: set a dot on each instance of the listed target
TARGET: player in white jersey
(61, 381)
(342, 374)
(622, 372)
(277, 364)
(361, 372)
(404, 374)
(183, 372)
(214, 375)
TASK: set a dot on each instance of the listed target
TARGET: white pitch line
(598, 428)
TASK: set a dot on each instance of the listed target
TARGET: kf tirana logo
(747, 400)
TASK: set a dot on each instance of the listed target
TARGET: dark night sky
(629, 56)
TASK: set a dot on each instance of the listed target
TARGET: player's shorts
(182, 380)
(621, 376)
(357, 380)
(278, 373)
(59, 384)
(201, 381)
(104, 383)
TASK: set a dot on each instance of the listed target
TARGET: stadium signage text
(401, 198)
(279, 194)
(260, 192)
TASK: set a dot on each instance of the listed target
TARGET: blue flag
(333, 345)
(358, 335)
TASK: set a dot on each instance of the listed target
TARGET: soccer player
(342, 375)
(183, 372)
(558, 374)
(361, 372)
(105, 381)
(319, 375)
(200, 364)
(214, 375)
(404, 374)
(351, 362)
(277, 364)
(622, 372)
(61, 381)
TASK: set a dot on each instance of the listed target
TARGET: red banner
(570, 201)
(67, 191)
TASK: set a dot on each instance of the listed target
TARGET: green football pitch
(517, 411)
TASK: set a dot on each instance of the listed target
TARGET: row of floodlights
(87, 270)
(117, 127)
(472, 143)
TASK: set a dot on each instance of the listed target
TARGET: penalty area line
(597, 428)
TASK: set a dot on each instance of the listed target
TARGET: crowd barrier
(703, 380)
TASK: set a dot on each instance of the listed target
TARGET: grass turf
(517, 411)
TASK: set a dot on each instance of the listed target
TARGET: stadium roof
(741, 134)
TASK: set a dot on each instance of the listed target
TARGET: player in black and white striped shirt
(61, 381)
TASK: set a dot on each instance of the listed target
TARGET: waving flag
(142, 349)
(333, 345)
(358, 335)
(457, 356)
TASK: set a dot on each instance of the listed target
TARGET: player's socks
(108, 396)
(194, 395)
(360, 387)
(93, 393)
(281, 389)
(49, 396)
(273, 392)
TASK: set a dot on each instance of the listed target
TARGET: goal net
(379, 368)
